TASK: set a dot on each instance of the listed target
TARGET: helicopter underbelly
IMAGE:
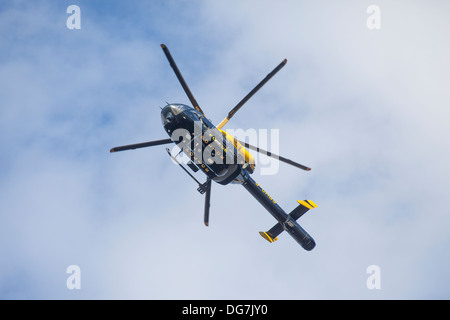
(205, 145)
(211, 158)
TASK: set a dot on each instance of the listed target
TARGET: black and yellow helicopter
(223, 158)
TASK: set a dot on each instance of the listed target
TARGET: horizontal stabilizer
(303, 207)
(267, 235)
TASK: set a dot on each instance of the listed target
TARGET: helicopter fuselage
(207, 147)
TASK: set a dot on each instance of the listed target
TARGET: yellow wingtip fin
(267, 237)
(307, 203)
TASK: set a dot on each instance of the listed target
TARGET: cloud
(365, 109)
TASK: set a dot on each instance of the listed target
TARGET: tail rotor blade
(181, 79)
(207, 201)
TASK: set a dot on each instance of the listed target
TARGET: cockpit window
(178, 108)
(206, 122)
(170, 117)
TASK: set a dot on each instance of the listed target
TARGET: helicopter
(223, 158)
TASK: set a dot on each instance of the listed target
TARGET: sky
(367, 109)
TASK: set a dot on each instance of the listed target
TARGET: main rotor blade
(141, 145)
(207, 201)
(275, 156)
(251, 93)
(181, 79)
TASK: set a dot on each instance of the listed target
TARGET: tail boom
(286, 222)
(290, 223)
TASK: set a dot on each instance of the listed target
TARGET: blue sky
(366, 109)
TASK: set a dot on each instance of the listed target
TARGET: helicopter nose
(168, 114)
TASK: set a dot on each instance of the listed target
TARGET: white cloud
(367, 110)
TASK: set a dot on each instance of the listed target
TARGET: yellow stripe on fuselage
(240, 149)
